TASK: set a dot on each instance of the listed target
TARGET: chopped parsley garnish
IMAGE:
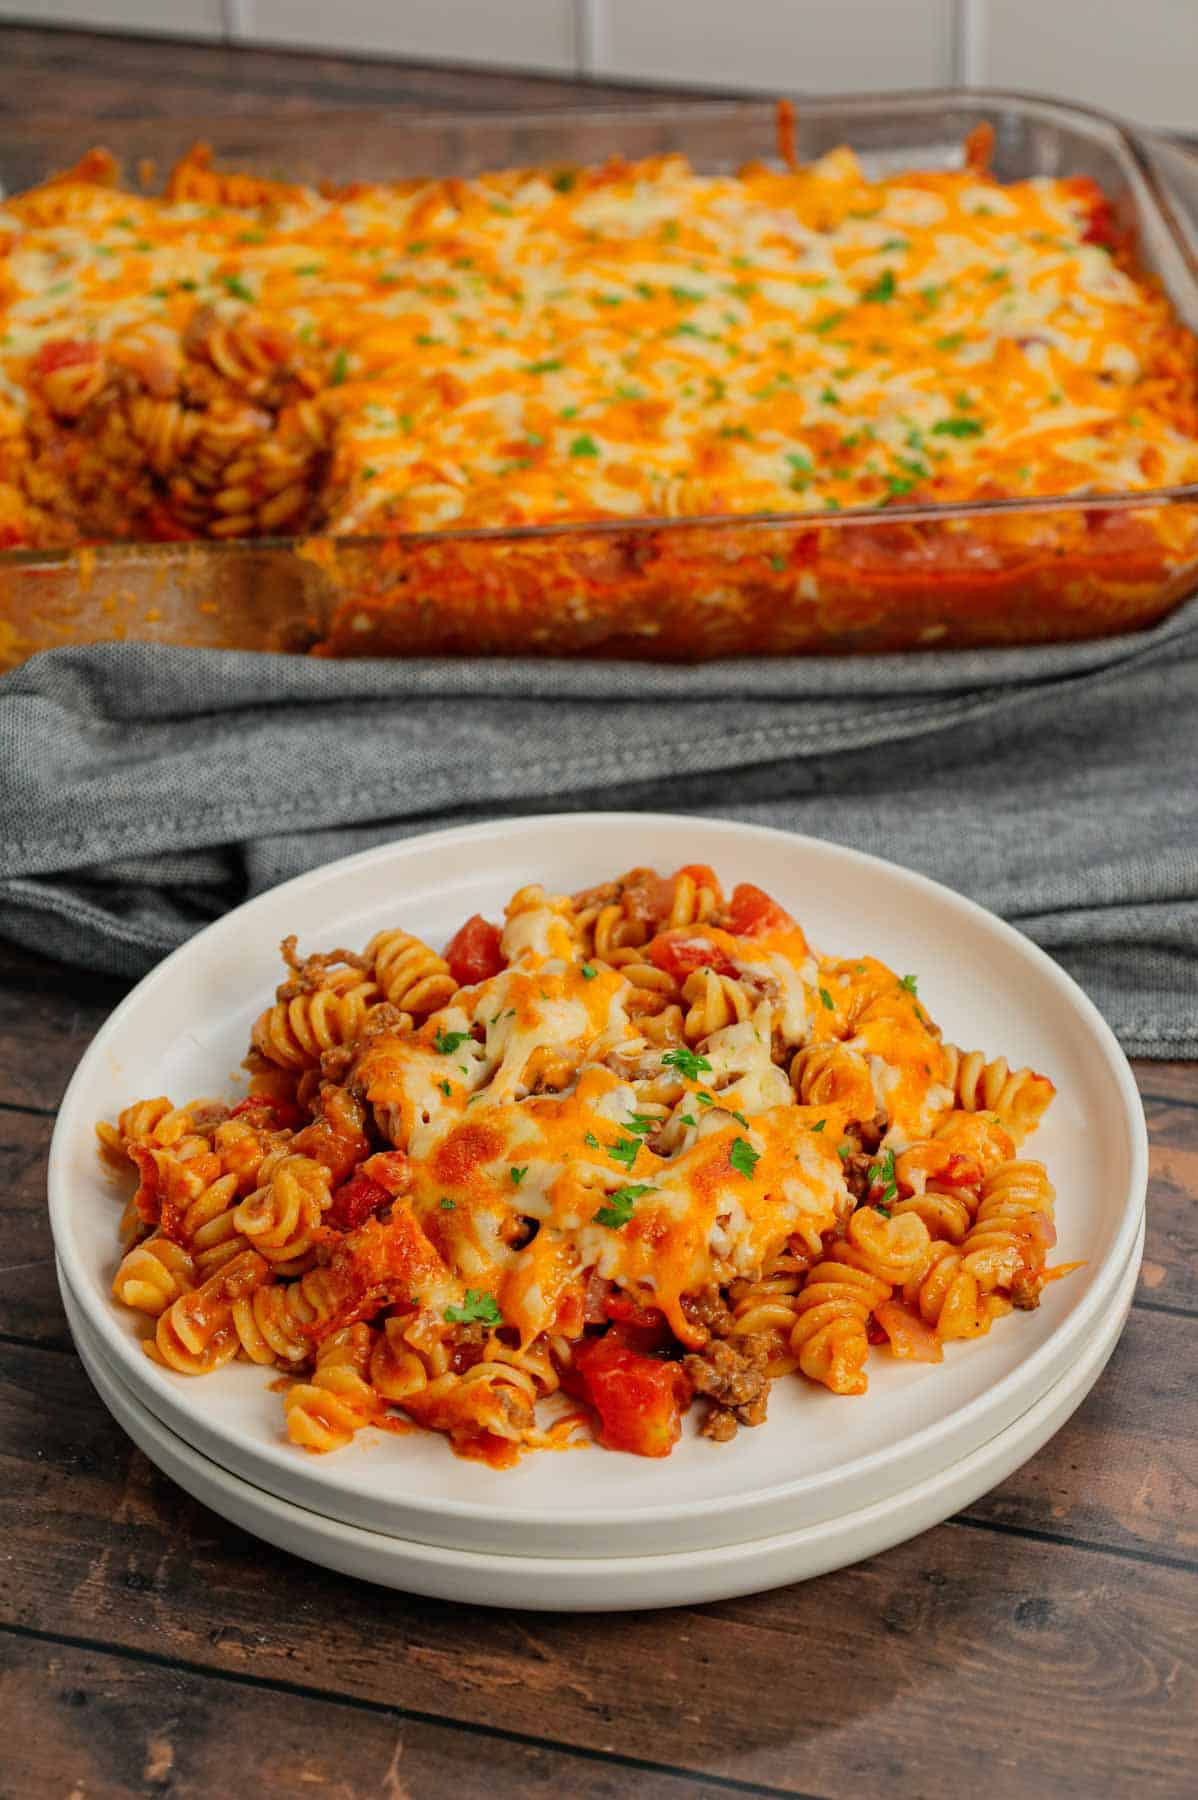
(445, 1088)
(684, 296)
(688, 1063)
(584, 446)
(740, 1118)
(882, 1173)
(641, 1124)
(843, 1152)
(564, 180)
(705, 1099)
(820, 1125)
(827, 999)
(996, 274)
(237, 287)
(958, 428)
(884, 1210)
(592, 1140)
(340, 368)
(545, 367)
(448, 1041)
(589, 972)
(951, 341)
(620, 1203)
(518, 1175)
(448, 1205)
(882, 289)
(744, 1158)
(830, 322)
(829, 397)
(895, 244)
(688, 1118)
(310, 269)
(480, 1308)
(624, 1150)
(911, 983)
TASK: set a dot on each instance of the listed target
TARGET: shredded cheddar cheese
(538, 345)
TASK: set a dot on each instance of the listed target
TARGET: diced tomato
(148, 1198)
(682, 951)
(284, 1115)
(751, 912)
(639, 1399)
(391, 1169)
(355, 1201)
(474, 952)
(628, 1311)
(1102, 227)
(63, 353)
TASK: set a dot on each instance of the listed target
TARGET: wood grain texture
(144, 98)
(948, 1638)
(101, 1726)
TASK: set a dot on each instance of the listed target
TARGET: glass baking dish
(892, 578)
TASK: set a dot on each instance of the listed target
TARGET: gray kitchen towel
(144, 789)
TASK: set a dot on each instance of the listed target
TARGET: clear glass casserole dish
(885, 578)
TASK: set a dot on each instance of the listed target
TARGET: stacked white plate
(826, 1480)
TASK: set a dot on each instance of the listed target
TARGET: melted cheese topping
(641, 339)
(541, 1147)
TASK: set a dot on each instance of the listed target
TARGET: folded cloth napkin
(144, 789)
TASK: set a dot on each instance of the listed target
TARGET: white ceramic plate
(183, 1030)
(606, 1584)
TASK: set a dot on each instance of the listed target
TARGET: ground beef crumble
(731, 1373)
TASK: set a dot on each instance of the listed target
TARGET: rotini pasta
(1016, 1097)
(623, 1153)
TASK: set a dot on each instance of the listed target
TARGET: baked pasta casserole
(246, 357)
(633, 1150)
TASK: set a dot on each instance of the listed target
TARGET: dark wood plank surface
(1043, 1641)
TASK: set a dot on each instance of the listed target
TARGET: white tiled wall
(1137, 57)
(529, 34)
(820, 45)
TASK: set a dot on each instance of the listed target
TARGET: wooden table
(1042, 1643)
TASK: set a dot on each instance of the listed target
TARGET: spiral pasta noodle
(324, 1413)
(833, 1074)
(1006, 1244)
(411, 976)
(281, 1219)
(1017, 1097)
(295, 1033)
(153, 1274)
(273, 1324)
(830, 1336)
(196, 1333)
(713, 1002)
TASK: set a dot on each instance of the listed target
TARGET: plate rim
(922, 1497)
(928, 1436)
